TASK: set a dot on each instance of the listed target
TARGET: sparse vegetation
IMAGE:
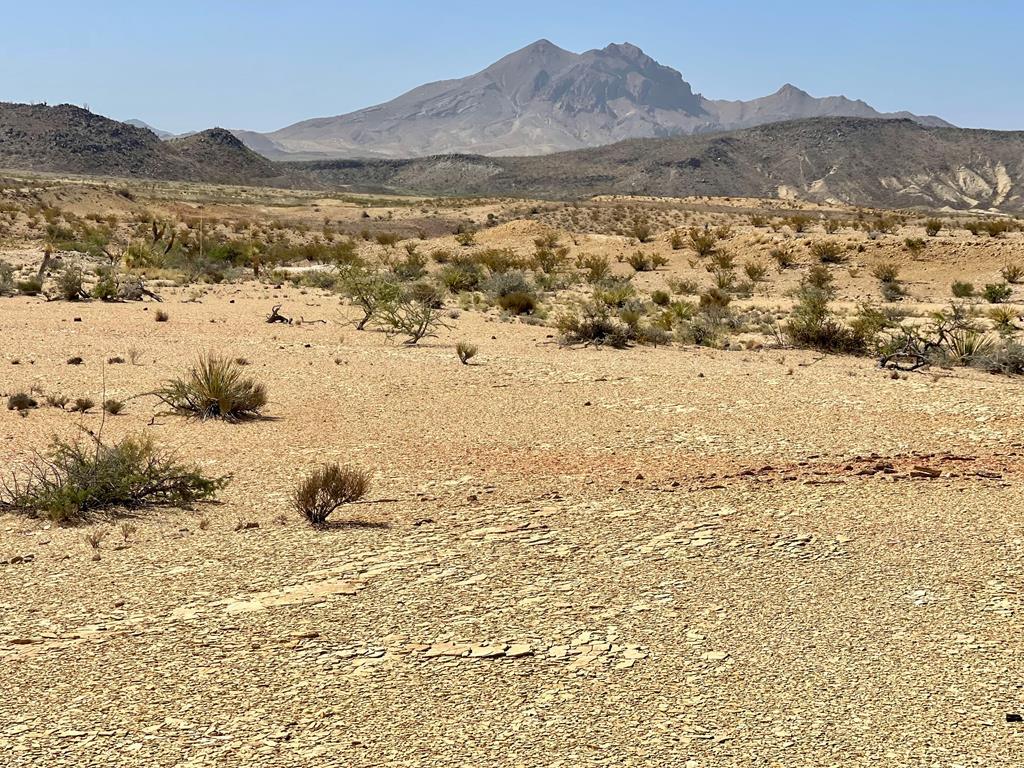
(75, 481)
(214, 388)
(328, 488)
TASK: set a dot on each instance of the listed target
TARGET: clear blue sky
(184, 65)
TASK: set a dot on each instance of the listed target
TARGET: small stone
(715, 656)
(518, 650)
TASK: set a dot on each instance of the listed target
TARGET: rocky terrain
(881, 163)
(69, 139)
(544, 99)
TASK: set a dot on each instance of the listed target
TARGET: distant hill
(873, 162)
(544, 99)
(140, 124)
(68, 139)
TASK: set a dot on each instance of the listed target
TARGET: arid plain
(735, 552)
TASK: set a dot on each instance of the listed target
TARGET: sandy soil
(569, 557)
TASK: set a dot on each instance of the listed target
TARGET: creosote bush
(328, 488)
(214, 388)
(74, 481)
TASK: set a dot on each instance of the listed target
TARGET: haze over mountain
(544, 99)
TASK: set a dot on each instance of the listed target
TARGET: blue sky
(261, 65)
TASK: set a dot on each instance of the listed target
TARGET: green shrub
(77, 480)
(31, 286)
(962, 290)
(6, 279)
(755, 270)
(702, 241)
(593, 323)
(214, 388)
(932, 227)
(828, 252)
(639, 261)
(660, 298)
(812, 325)
(997, 293)
(914, 244)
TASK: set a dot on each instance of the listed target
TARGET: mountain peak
(625, 51)
(791, 91)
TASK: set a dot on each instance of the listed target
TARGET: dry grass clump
(21, 401)
(328, 488)
(76, 480)
(465, 351)
(214, 388)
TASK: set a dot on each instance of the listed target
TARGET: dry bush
(465, 351)
(828, 252)
(21, 401)
(328, 488)
(214, 388)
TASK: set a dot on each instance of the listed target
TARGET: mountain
(140, 124)
(68, 139)
(889, 163)
(544, 99)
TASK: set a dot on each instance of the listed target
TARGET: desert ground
(736, 554)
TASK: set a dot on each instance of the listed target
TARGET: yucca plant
(964, 345)
(214, 388)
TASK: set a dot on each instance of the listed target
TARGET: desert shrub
(965, 345)
(914, 244)
(886, 272)
(328, 488)
(460, 275)
(702, 241)
(615, 292)
(498, 260)
(974, 227)
(465, 239)
(369, 290)
(549, 256)
(962, 290)
(412, 267)
(997, 293)
(1006, 358)
(57, 400)
(660, 298)
(82, 405)
(214, 388)
(415, 316)
(465, 351)
(6, 279)
(798, 223)
(683, 287)
(76, 480)
(818, 276)
(812, 325)
(675, 241)
(30, 286)
(641, 230)
(161, 316)
(512, 291)
(932, 227)
(758, 220)
(387, 239)
(21, 401)
(113, 406)
(725, 279)
(756, 271)
(892, 291)
(783, 258)
(518, 302)
(596, 268)
(106, 287)
(828, 252)
(996, 227)
(832, 226)
(1003, 317)
(721, 260)
(639, 261)
(593, 323)
(1012, 273)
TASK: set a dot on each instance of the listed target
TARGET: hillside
(884, 163)
(68, 139)
(544, 99)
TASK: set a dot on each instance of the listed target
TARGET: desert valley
(690, 450)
